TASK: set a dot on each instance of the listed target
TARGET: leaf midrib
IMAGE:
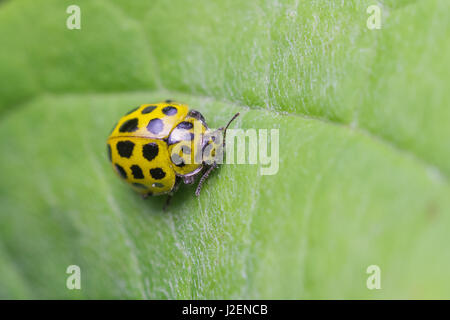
(358, 130)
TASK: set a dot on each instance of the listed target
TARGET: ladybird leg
(169, 197)
(204, 177)
(166, 205)
(178, 181)
(189, 180)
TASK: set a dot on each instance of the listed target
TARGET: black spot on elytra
(150, 151)
(185, 125)
(121, 171)
(158, 185)
(109, 151)
(139, 185)
(131, 111)
(129, 125)
(137, 172)
(148, 109)
(169, 111)
(157, 173)
(155, 126)
(125, 148)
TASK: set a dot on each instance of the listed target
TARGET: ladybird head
(192, 144)
(214, 143)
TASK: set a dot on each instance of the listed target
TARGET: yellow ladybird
(157, 146)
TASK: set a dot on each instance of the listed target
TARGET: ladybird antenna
(214, 165)
(228, 124)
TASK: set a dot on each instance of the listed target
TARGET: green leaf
(364, 149)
